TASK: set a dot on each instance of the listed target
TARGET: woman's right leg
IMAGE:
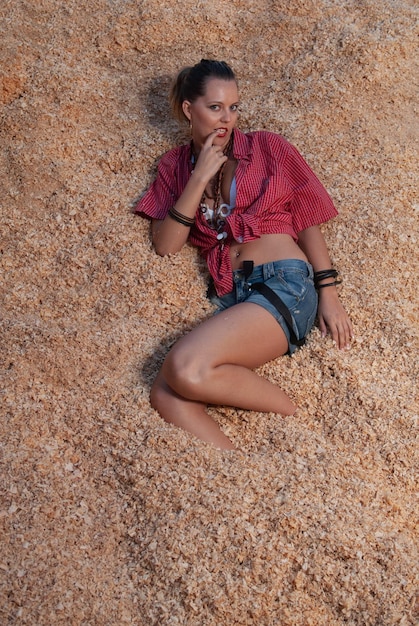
(187, 414)
(215, 362)
(213, 365)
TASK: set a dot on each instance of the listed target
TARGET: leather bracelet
(322, 274)
(336, 282)
(181, 219)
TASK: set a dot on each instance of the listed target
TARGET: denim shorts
(292, 281)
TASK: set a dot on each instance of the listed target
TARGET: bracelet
(325, 274)
(336, 282)
(181, 219)
(322, 274)
(184, 217)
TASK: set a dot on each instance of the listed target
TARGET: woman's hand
(331, 314)
(168, 235)
(210, 159)
(334, 319)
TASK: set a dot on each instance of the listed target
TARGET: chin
(223, 141)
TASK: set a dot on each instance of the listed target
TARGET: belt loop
(268, 270)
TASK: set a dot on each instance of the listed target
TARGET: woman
(244, 200)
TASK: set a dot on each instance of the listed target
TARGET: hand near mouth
(210, 159)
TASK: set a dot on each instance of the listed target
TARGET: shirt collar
(241, 145)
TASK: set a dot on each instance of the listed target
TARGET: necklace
(216, 216)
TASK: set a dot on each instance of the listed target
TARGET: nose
(226, 115)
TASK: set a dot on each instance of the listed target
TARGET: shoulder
(272, 142)
(176, 155)
(264, 141)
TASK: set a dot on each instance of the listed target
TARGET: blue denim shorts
(291, 280)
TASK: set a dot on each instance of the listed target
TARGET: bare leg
(187, 414)
(213, 365)
(214, 362)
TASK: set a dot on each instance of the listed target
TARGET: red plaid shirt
(277, 192)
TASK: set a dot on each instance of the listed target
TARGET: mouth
(221, 132)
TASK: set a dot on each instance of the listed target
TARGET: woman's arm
(169, 235)
(332, 316)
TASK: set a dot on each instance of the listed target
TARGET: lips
(222, 132)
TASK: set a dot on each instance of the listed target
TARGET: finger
(344, 338)
(208, 141)
(345, 335)
(343, 342)
(349, 335)
(323, 327)
(335, 336)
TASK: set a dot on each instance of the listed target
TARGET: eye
(214, 107)
(235, 107)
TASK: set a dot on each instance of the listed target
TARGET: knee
(185, 372)
(161, 397)
(157, 395)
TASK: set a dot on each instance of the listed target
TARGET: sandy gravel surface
(108, 515)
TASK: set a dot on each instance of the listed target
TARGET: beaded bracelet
(322, 274)
(181, 219)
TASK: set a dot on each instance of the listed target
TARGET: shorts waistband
(269, 270)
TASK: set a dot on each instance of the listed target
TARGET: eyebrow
(221, 102)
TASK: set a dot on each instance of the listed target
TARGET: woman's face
(217, 110)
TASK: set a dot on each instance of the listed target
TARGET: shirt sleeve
(310, 204)
(162, 193)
